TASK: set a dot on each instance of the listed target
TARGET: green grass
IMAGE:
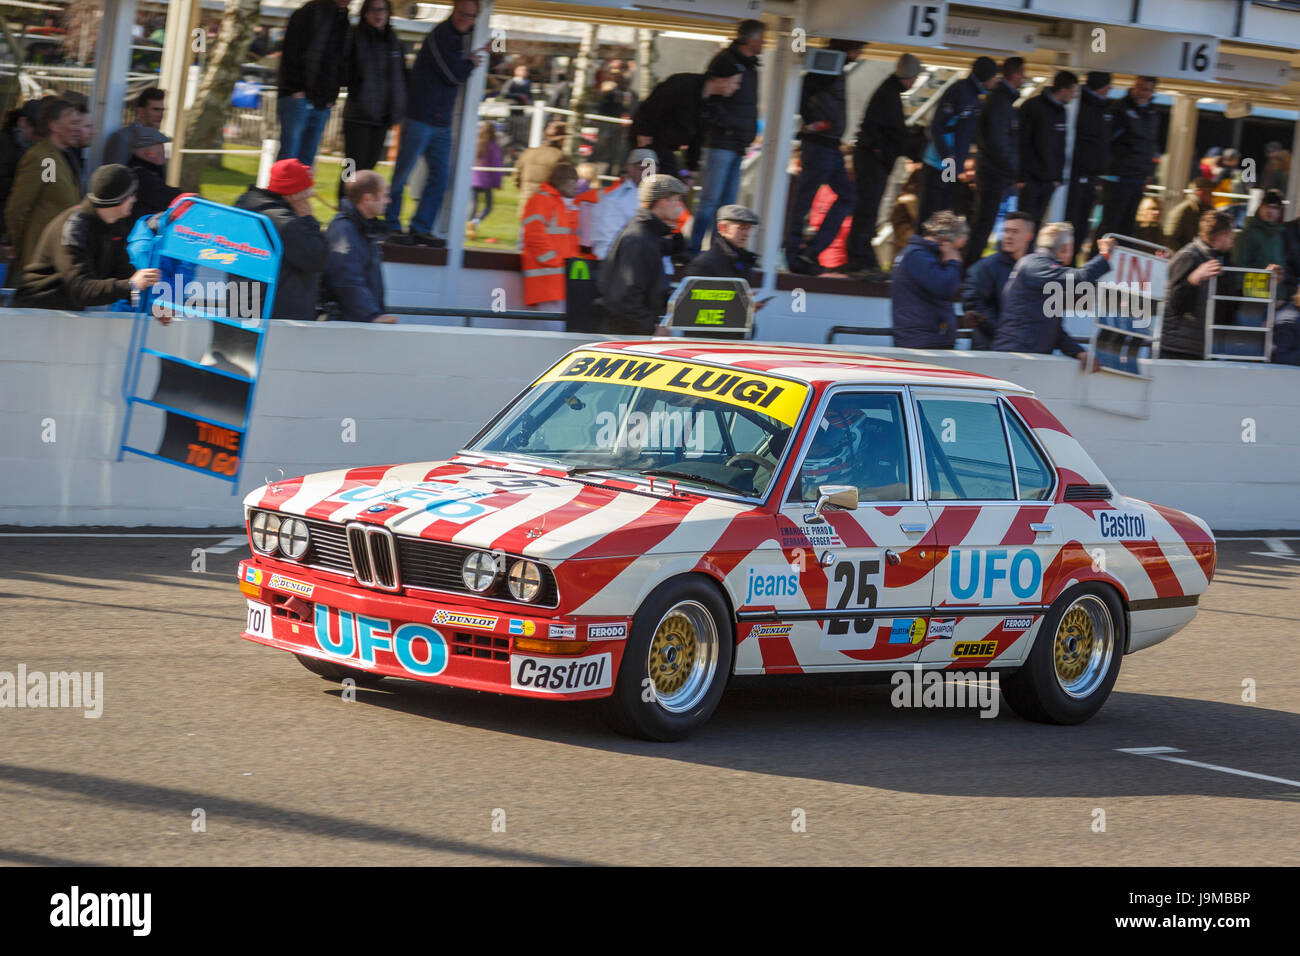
(227, 182)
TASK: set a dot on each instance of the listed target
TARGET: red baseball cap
(289, 176)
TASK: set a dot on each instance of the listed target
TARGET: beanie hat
(111, 185)
(289, 176)
(984, 69)
(908, 67)
(1271, 198)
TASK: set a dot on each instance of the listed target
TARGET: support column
(178, 54)
(1180, 149)
(784, 74)
(462, 159)
(112, 62)
(1293, 177)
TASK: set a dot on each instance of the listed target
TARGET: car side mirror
(841, 496)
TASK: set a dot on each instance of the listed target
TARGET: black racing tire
(338, 672)
(1067, 678)
(686, 624)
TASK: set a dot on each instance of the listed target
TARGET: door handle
(914, 528)
(892, 557)
(1041, 527)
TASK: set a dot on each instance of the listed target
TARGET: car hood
(538, 513)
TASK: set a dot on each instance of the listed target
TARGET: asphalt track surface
(287, 772)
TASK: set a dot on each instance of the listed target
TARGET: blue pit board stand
(220, 264)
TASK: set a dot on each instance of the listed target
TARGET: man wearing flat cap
(148, 162)
(632, 288)
(727, 256)
(80, 260)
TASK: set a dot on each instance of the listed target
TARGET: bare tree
(212, 102)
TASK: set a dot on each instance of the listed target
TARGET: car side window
(860, 440)
(1032, 470)
(965, 450)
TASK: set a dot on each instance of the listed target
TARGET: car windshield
(723, 429)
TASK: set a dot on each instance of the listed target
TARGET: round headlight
(524, 580)
(293, 537)
(479, 571)
(266, 531)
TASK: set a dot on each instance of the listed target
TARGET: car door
(863, 574)
(989, 487)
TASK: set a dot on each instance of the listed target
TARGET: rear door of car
(989, 486)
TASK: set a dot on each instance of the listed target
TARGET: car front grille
(485, 646)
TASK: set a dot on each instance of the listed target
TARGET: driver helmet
(831, 456)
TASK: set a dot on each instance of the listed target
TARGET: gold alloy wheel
(683, 656)
(1083, 646)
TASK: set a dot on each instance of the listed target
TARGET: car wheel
(337, 672)
(1075, 659)
(676, 664)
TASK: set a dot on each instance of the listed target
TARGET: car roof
(816, 366)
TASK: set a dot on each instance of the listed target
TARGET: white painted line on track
(1279, 546)
(1163, 753)
(1274, 554)
(91, 534)
(230, 544)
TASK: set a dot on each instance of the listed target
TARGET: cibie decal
(974, 648)
(446, 502)
(1000, 572)
(282, 583)
(606, 632)
(551, 676)
(1017, 623)
(562, 632)
(522, 628)
(771, 630)
(779, 398)
(941, 627)
(418, 648)
(1122, 526)
(770, 583)
(484, 622)
(907, 630)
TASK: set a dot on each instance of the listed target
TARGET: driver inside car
(851, 448)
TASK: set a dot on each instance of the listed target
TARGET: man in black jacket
(677, 114)
(148, 162)
(1042, 144)
(303, 251)
(1091, 156)
(997, 164)
(734, 126)
(985, 281)
(1133, 147)
(632, 288)
(80, 260)
(376, 80)
(311, 72)
(1182, 335)
(727, 257)
(881, 140)
(822, 105)
(952, 129)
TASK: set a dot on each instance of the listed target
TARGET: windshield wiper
(689, 476)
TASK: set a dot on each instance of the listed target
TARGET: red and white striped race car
(649, 518)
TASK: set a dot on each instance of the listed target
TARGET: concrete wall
(418, 392)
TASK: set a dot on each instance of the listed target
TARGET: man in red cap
(286, 201)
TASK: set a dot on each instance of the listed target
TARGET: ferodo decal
(282, 583)
(974, 648)
(606, 632)
(779, 398)
(771, 630)
(994, 574)
(445, 501)
(418, 648)
(1017, 623)
(551, 676)
(483, 622)
(1122, 526)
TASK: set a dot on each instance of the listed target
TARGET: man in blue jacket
(924, 283)
(952, 129)
(354, 278)
(981, 290)
(442, 66)
(1041, 288)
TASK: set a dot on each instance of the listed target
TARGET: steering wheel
(747, 458)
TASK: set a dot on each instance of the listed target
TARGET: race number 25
(858, 590)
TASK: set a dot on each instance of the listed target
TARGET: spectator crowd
(988, 162)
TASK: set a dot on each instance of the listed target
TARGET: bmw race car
(649, 518)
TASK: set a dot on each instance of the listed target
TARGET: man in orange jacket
(550, 237)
